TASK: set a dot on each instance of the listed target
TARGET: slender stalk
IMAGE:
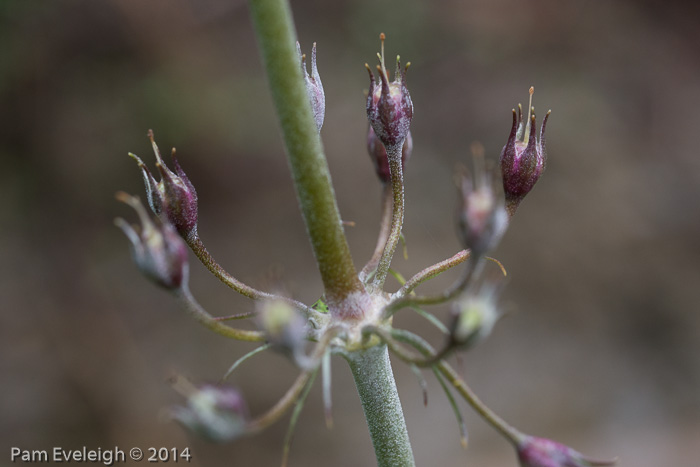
(294, 418)
(380, 400)
(396, 171)
(195, 310)
(245, 357)
(504, 428)
(276, 36)
(430, 272)
(471, 270)
(197, 246)
(384, 230)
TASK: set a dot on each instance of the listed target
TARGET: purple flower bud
(541, 452)
(174, 196)
(377, 152)
(481, 217)
(523, 157)
(314, 87)
(216, 413)
(389, 105)
(158, 250)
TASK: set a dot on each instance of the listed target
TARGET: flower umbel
(158, 250)
(314, 87)
(541, 452)
(389, 104)
(523, 157)
(174, 196)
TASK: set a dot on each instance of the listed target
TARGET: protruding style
(380, 159)
(389, 104)
(174, 196)
(524, 157)
(158, 250)
(314, 87)
(541, 452)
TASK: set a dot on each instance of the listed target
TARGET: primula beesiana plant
(353, 317)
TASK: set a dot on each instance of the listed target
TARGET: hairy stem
(215, 268)
(276, 36)
(470, 271)
(430, 272)
(396, 170)
(195, 310)
(380, 400)
(384, 229)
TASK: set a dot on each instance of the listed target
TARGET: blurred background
(600, 350)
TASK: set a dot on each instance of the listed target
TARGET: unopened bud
(174, 196)
(475, 316)
(541, 452)
(283, 325)
(524, 157)
(389, 104)
(481, 217)
(314, 87)
(377, 152)
(215, 413)
(158, 250)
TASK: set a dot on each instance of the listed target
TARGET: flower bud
(523, 157)
(314, 87)
(541, 452)
(283, 325)
(158, 250)
(475, 315)
(377, 152)
(389, 105)
(481, 217)
(216, 413)
(174, 196)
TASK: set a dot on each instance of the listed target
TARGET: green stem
(197, 246)
(396, 171)
(195, 310)
(471, 270)
(380, 400)
(277, 39)
(384, 229)
(504, 428)
(430, 272)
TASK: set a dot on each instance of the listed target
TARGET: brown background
(601, 351)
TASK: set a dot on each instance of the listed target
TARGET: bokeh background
(600, 348)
